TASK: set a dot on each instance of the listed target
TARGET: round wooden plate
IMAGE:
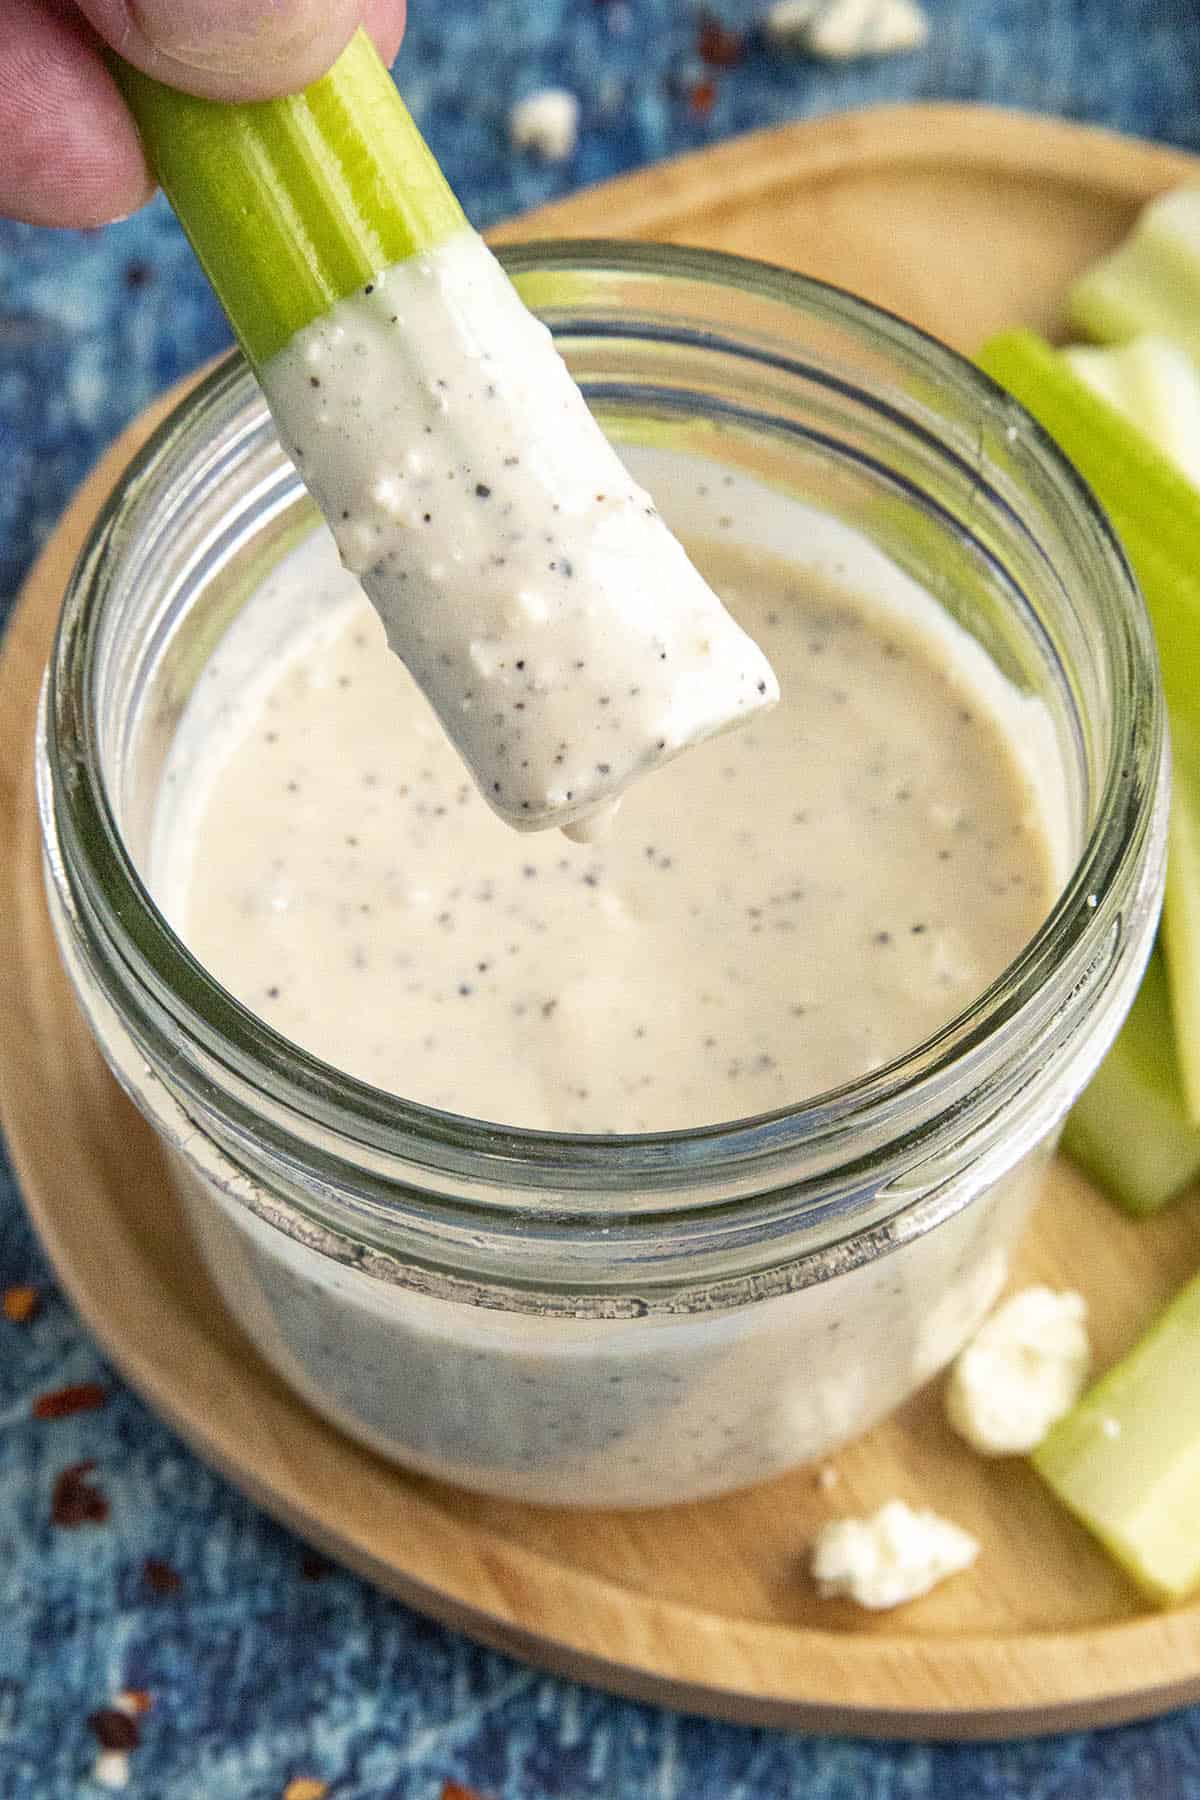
(965, 220)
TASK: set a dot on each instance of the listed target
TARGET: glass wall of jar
(624, 1319)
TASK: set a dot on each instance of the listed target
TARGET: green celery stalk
(1181, 911)
(1156, 385)
(1126, 1458)
(1151, 282)
(1153, 508)
(292, 204)
(1129, 1130)
(1155, 511)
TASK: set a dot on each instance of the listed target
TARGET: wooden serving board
(963, 220)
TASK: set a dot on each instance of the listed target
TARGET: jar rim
(901, 1102)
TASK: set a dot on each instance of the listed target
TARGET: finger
(238, 49)
(385, 20)
(70, 152)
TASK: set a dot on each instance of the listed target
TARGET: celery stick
(291, 204)
(1156, 513)
(1181, 912)
(1126, 1458)
(1151, 282)
(1129, 1130)
(1156, 385)
(1154, 510)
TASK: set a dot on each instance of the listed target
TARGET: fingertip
(228, 49)
(385, 20)
(241, 49)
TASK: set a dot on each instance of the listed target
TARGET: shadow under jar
(620, 1319)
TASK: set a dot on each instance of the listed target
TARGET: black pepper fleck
(114, 1729)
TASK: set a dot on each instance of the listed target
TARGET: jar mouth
(899, 1110)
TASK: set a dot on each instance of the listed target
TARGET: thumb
(239, 49)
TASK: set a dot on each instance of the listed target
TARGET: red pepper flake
(76, 1500)
(84, 1396)
(702, 97)
(717, 46)
(313, 1567)
(114, 1729)
(160, 1577)
(305, 1787)
(454, 1790)
(19, 1304)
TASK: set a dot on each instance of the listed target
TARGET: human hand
(69, 151)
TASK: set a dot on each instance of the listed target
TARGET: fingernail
(234, 37)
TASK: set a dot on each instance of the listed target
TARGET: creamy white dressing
(712, 911)
(788, 908)
(562, 635)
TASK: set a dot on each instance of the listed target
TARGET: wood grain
(963, 220)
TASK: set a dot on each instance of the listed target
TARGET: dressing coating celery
(292, 204)
(1129, 1129)
(1151, 282)
(1126, 1458)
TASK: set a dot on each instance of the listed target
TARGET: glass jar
(628, 1320)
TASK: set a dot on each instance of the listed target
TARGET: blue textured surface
(259, 1672)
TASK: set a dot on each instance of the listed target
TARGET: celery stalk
(1126, 1458)
(1151, 282)
(291, 204)
(1129, 1129)
(1181, 911)
(1156, 385)
(1156, 513)
(1153, 508)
